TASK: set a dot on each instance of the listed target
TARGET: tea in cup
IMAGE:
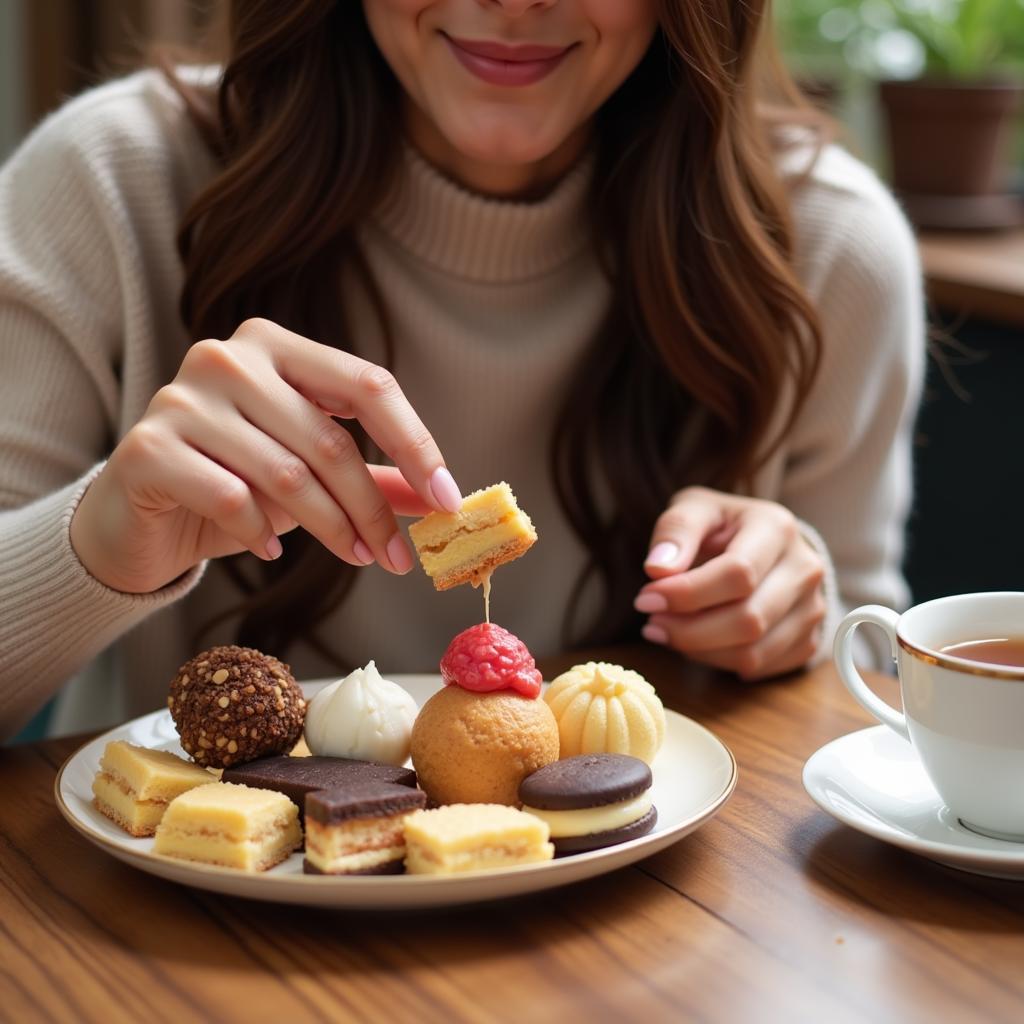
(961, 671)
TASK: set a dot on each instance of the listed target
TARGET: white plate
(694, 774)
(873, 781)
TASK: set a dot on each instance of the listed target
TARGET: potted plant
(950, 81)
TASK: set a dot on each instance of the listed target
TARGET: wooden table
(771, 911)
(976, 273)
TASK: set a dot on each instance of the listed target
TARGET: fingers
(329, 465)
(789, 646)
(347, 386)
(396, 490)
(738, 622)
(273, 469)
(761, 532)
(173, 474)
(746, 592)
(680, 531)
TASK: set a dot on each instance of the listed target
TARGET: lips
(504, 64)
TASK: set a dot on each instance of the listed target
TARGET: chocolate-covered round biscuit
(591, 800)
(586, 780)
(565, 845)
(233, 704)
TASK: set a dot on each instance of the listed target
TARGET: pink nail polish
(445, 490)
(398, 554)
(663, 555)
(362, 552)
(650, 603)
(655, 634)
(274, 548)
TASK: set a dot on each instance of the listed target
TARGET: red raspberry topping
(486, 657)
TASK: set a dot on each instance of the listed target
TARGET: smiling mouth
(507, 65)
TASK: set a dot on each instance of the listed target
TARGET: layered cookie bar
(358, 830)
(295, 777)
(134, 785)
(465, 546)
(230, 825)
(473, 837)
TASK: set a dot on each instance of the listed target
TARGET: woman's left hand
(735, 584)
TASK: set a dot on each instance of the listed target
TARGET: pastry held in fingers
(466, 546)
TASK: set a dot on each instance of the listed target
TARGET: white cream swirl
(362, 716)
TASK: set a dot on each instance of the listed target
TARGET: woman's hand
(241, 447)
(735, 585)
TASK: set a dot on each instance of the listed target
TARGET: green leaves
(961, 39)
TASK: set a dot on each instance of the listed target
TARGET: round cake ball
(233, 704)
(475, 748)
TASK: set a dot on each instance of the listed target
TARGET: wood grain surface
(770, 911)
(976, 273)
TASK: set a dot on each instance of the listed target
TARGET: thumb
(398, 492)
(681, 530)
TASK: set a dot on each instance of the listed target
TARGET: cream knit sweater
(493, 304)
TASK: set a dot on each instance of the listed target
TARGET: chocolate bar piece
(297, 776)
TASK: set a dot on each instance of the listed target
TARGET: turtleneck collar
(480, 238)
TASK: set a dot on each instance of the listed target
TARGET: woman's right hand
(241, 446)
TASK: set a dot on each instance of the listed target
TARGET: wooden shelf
(975, 273)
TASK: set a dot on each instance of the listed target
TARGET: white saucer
(872, 781)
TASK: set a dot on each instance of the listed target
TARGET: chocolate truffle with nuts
(234, 704)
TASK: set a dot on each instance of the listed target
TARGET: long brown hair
(709, 328)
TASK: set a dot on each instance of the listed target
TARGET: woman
(594, 260)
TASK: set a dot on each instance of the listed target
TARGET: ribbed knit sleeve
(55, 615)
(69, 273)
(848, 463)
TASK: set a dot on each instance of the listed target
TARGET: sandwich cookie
(591, 801)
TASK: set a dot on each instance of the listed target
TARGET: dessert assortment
(502, 774)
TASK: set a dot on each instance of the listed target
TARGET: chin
(504, 144)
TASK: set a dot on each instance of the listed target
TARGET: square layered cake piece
(134, 786)
(473, 837)
(358, 830)
(465, 546)
(230, 825)
(298, 776)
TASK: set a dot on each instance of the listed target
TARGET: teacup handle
(843, 653)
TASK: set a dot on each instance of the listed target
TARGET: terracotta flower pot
(949, 149)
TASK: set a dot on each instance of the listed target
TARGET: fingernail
(663, 554)
(651, 602)
(655, 634)
(398, 554)
(445, 490)
(362, 552)
(274, 549)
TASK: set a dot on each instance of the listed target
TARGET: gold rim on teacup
(971, 668)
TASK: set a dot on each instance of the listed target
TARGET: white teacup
(964, 718)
